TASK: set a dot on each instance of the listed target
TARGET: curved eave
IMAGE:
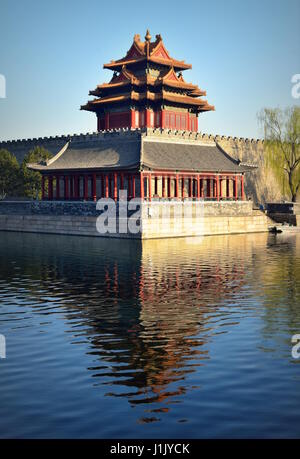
(152, 167)
(45, 169)
(117, 65)
(199, 105)
(194, 91)
(186, 100)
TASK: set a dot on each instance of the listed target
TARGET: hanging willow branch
(282, 146)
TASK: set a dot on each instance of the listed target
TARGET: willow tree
(282, 146)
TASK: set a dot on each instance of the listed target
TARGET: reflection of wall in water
(144, 308)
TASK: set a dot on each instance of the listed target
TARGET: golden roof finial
(148, 36)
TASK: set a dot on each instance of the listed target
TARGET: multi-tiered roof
(148, 78)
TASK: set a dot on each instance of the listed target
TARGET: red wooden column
(133, 119)
(66, 190)
(71, 186)
(198, 186)
(190, 188)
(85, 187)
(176, 186)
(148, 117)
(102, 186)
(94, 189)
(122, 181)
(50, 188)
(169, 187)
(220, 180)
(214, 187)
(76, 186)
(201, 188)
(57, 187)
(208, 188)
(115, 186)
(129, 186)
(133, 187)
(106, 186)
(106, 120)
(150, 186)
(235, 188)
(218, 188)
(163, 119)
(43, 187)
(242, 188)
(163, 186)
(156, 185)
(142, 185)
(182, 187)
(227, 188)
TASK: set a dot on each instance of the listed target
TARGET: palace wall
(159, 219)
(260, 184)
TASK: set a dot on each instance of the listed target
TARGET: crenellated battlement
(20, 147)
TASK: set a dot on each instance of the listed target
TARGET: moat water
(184, 338)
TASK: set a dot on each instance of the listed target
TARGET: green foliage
(32, 180)
(10, 177)
(282, 146)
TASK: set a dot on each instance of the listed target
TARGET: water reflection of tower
(145, 310)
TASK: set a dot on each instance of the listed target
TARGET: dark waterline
(176, 338)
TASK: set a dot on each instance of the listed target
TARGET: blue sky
(243, 53)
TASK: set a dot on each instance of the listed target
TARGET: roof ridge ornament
(148, 36)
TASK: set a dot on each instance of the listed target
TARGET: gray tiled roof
(134, 150)
(179, 156)
(103, 154)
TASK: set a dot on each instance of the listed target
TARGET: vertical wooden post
(217, 188)
(43, 187)
(220, 187)
(85, 187)
(169, 187)
(155, 185)
(150, 186)
(208, 188)
(133, 186)
(115, 186)
(50, 188)
(76, 187)
(163, 186)
(142, 186)
(133, 126)
(106, 186)
(94, 191)
(71, 187)
(176, 186)
(198, 186)
(242, 188)
(163, 119)
(235, 188)
(66, 190)
(106, 120)
(129, 186)
(57, 187)
(190, 188)
(227, 188)
(102, 186)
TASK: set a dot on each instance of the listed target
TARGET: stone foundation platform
(158, 219)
